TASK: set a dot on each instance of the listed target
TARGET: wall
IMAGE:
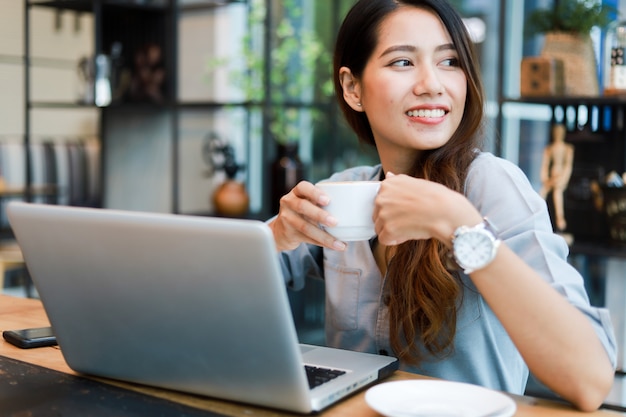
(54, 75)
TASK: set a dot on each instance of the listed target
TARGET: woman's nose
(428, 81)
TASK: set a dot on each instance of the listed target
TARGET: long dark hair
(425, 306)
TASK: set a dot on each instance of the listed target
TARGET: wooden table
(16, 313)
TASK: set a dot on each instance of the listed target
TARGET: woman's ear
(351, 89)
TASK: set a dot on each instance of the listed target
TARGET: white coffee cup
(352, 204)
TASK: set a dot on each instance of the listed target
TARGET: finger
(321, 237)
(306, 190)
(310, 212)
(311, 232)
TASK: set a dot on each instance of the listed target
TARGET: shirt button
(383, 352)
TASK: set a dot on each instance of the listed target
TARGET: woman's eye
(451, 62)
(401, 63)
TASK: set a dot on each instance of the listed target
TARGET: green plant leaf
(299, 63)
(577, 16)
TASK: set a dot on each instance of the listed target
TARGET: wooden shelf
(43, 190)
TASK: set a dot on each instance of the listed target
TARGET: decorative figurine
(148, 75)
(556, 170)
(230, 199)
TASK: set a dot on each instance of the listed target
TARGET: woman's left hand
(409, 208)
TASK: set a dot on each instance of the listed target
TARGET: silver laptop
(192, 304)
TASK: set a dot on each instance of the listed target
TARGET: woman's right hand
(300, 214)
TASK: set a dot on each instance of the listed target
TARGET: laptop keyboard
(318, 376)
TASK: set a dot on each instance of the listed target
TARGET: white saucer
(434, 398)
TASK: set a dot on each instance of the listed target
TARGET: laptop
(192, 304)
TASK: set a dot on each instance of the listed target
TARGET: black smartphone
(30, 338)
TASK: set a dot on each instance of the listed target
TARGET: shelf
(603, 248)
(75, 5)
(249, 104)
(571, 100)
(216, 104)
(138, 107)
(60, 105)
(43, 190)
(209, 4)
(11, 59)
(87, 5)
(126, 106)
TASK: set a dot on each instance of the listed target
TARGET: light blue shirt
(356, 314)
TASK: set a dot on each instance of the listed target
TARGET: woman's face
(412, 88)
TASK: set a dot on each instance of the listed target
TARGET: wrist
(277, 241)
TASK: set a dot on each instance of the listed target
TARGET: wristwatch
(475, 247)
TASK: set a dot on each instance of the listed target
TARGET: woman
(409, 85)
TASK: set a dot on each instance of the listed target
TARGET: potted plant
(282, 80)
(571, 16)
(567, 26)
(298, 61)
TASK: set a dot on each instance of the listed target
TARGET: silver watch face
(474, 249)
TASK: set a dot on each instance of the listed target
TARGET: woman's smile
(431, 115)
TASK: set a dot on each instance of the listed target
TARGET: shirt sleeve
(501, 191)
(301, 263)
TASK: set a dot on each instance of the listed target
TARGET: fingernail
(339, 245)
(323, 200)
(330, 221)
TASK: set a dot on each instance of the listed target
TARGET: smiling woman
(505, 305)
(408, 80)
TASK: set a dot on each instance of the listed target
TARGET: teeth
(426, 113)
